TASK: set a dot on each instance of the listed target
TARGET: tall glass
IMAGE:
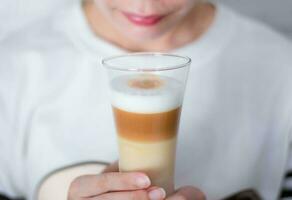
(147, 92)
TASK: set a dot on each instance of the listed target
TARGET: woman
(56, 120)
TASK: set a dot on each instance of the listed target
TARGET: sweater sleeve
(10, 136)
(286, 192)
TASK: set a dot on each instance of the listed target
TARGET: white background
(15, 14)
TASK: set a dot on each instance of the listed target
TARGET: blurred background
(15, 14)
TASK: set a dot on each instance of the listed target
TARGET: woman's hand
(187, 193)
(112, 185)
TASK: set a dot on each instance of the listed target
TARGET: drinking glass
(147, 91)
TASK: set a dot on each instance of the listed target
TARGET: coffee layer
(147, 127)
(155, 159)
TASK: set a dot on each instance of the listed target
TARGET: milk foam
(165, 97)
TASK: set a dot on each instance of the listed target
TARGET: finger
(114, 167)
(133, 195)
(156, 193)
(187, 193)
(93, 185)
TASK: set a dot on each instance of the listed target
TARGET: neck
(191, 28)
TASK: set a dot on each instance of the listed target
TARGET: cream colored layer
(157, 159)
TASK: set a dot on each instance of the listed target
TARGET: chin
(142, 34)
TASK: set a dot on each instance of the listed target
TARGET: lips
(141, 20)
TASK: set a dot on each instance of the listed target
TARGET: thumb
(187, 193)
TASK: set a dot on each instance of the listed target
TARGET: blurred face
(144, 19)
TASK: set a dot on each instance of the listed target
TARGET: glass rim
(119, 68)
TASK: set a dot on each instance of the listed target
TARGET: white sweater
(236, 122)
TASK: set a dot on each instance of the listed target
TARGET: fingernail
(143, 181)
(157, 194)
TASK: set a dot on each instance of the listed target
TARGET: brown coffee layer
(147, 127)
